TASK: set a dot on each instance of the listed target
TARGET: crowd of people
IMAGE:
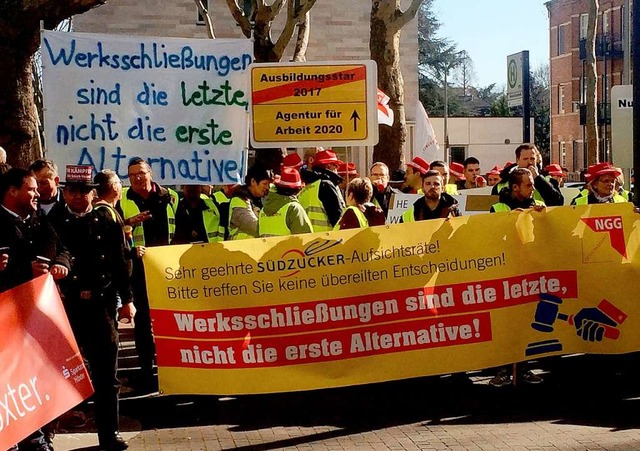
(90, 233)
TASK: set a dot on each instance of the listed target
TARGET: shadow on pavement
(587, 390)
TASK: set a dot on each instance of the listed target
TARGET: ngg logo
(614, 227)
(605, 224)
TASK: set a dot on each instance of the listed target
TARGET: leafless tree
(19, 41)
(387, 19)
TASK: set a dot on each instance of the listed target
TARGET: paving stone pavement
(591, 403)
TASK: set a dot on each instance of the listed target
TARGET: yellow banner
(392, 302)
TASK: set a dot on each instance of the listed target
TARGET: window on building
(583, 89)
(562, 153)
(458, 153)
(606, 20)
(199, 18)
(560, 39)
(560, 99)
(584, 25)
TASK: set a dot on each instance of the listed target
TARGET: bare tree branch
(240, 18)
(293, 17)
(410, 13)
(204, 12)
(302, 41)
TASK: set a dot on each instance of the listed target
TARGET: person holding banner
(30, 248)
(282, 214)
(602, 183)
(91, 293)
(360, 212)
(435, 203)
(519, 194)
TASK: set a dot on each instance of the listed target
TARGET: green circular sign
(512, 73)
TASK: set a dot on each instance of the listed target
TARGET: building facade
(568, 23)
(338, 31)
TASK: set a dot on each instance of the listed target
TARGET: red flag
(385, 114)
(42, 374)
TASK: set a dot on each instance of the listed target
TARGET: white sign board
(181, 104)
(514, 79)
(622, 125)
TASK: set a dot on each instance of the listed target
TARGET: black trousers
(143, 332)
(94, 326)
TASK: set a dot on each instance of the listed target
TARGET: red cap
(457, 170)
(347, 169)
(420, 164)
(292, 160)
(326, 156)
(289, 178)
(496, 170)
(599, 169)
(554, 170)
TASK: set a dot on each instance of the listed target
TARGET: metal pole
(636, 96)
(446, 115)
(526, 98)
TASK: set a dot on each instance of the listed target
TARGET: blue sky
(490, 30)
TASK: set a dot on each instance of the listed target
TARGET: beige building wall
(339, 30)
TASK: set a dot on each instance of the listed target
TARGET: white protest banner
(181, 104)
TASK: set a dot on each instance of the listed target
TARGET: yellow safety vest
(235, 233)
(362, 219)
(408, 216)
(584, 200)
(310, 201)
(274, 225)
(211, 220)
(451, 189)
(501, 206)
(130, 209)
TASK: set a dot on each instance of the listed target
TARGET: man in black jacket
(27, 242)
(546, 189)
(90, 293)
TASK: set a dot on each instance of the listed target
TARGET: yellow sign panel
(359, 306)
(317, 121)
(310, 104)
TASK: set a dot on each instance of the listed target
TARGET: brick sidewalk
(583, 404)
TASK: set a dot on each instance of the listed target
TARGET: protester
(282, 214)
(150, 210)
(321, 196)
(197, 218)
(97, 281)
(415, 169)
(382, 191)
(519, 193)
(435, 203)
(449, 187)
(397, 180)
(246, 202)
(493, 176)
(555, 172)
(348, 172)
(620, 189)
(360, 213)
(472, 175)
(28, 240)
(602, 183)
(292, 160)
(545, 189)
(46, 174)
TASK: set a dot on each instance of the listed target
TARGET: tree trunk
(19, 40)
(18, 117)
(593, 139)
(384, 43)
